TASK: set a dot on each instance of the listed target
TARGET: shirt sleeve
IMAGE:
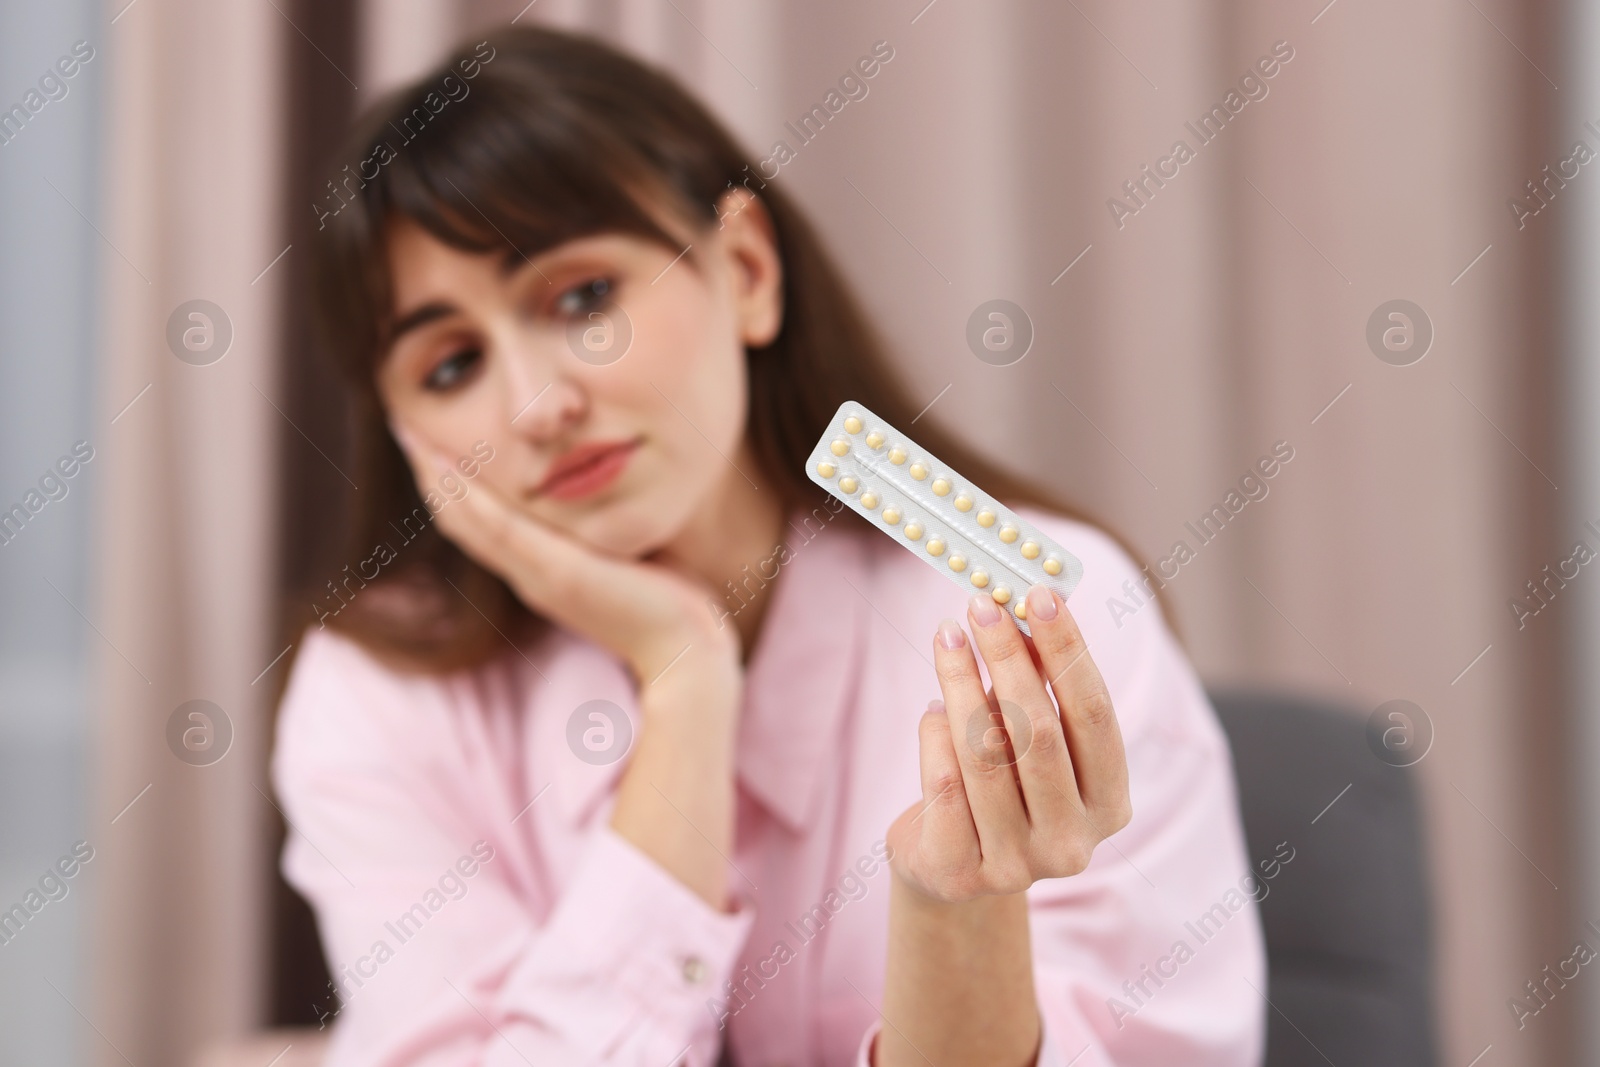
(436, 953)
(1154, 954)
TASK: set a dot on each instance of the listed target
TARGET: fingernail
(936, 706)
(1041, 603)
(984, 609)
(951, 635)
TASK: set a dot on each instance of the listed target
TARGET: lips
(586, 469)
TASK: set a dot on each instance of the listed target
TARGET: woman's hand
(1012, 790)
(675, 801)
(645, 613)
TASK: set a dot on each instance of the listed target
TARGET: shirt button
(694, 970)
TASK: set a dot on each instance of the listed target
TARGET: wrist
(959, 978)
(694, 679)
(690, 641)
(918, 904)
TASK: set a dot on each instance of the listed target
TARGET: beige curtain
(1170, 352)
(184, 608)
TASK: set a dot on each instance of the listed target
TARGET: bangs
(496, 179)
(512, 166)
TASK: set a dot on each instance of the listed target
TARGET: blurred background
(1384, 256)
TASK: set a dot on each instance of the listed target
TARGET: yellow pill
(1030, 550)
(1008, 533)
(852, 424)
(941, 487)
(914, 531)
(1052, 566)
(875, 439)
(985, 518)
(963, 502)
(918, 471)
(840, 446)
(848, 484)
(891, 515)
(869, 500)
(935, 547)
(1020, 608)
(826, 469)
(980, 577)
(1001, 594)
(897, 456)
(958, 562)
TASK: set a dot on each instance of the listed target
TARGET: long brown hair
(513, 145)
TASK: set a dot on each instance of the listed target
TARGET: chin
(632, 528)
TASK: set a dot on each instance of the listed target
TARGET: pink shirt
(476, 908)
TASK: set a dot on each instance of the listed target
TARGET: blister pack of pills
(929, 508)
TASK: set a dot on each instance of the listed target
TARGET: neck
(731, 542)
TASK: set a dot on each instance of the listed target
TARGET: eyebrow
(510, 263)
(415, 320)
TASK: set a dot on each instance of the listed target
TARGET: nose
(540, 408)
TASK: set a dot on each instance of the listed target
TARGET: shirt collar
(804, 665)
(797, 679)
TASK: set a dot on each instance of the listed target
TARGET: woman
(622, 744)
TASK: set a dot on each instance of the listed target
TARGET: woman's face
(608, 372)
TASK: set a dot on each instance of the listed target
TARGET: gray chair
(1347, 922)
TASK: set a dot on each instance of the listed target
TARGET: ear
(751, 243)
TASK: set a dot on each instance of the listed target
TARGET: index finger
(1033, 651)
(497, 534)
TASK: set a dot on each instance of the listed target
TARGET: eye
(586, 297)
(452, 371)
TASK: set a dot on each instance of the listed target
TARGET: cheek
(688, 345)
(453, 425)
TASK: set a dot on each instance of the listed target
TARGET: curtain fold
(185, 528)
